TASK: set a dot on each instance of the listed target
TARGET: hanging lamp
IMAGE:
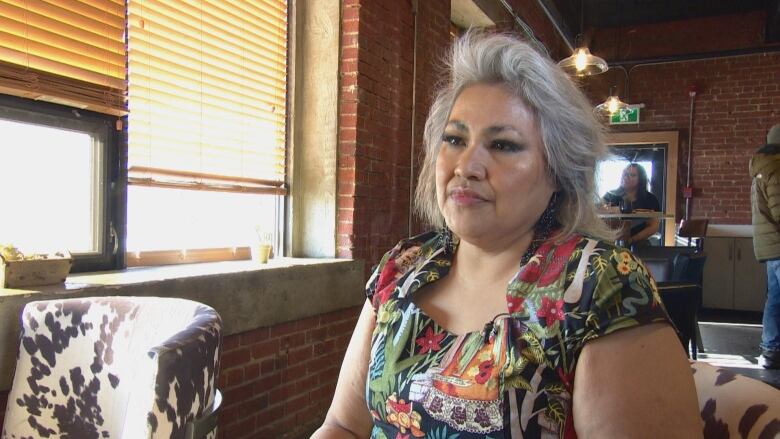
(612, 105)
(583, 63)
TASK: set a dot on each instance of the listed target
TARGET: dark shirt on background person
(648, 201)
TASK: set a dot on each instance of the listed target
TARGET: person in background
(516, 316)
(765, 202)
(633, 197)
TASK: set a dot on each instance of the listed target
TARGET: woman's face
(491, 173)
(630, 180)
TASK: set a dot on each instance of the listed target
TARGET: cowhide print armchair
(735, 406)
(115, 367)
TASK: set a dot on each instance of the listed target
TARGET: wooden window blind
(65, 51)
(208, 91)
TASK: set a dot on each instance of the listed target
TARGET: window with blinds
(58, 59)
(64, 51)
(207, 92)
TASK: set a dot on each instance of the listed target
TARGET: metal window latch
(113, 237)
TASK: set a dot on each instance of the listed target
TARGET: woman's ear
(552, 179)
(557, 186)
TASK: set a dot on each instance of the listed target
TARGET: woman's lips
(465, 197)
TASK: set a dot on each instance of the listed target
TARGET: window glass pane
(176, 219)
(50, 189)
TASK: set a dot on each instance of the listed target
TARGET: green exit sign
(623, 116)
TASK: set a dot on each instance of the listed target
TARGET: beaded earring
(548, 221)
(446, 239)
(544, 227)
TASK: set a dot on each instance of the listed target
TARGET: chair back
(668, 252)
(660, 268)
(689, 267)
(733, 405)
(694, 228)
(140, 367)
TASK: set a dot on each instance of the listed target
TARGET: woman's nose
(471, 163)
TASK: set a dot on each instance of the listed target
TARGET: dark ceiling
(580, 16)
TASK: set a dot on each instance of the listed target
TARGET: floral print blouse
(515, 379)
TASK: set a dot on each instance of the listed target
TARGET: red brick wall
(375, 131)
(278, 381)
(738, 100)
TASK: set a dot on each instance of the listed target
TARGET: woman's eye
(453, 140)
(506, 145)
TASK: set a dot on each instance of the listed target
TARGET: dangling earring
(548, 221)
(543, 229)
(446, 239)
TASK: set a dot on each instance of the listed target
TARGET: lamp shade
(583, 63)
(612, 105)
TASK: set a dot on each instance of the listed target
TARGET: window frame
(114, 152)
(282, 217)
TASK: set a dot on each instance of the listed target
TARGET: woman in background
(633, 197)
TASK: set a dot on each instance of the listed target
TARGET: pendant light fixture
(612, 105)
(583, 63)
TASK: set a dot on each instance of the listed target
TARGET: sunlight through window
(50, 188)
(186, 219)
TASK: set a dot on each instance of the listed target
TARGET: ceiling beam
(558, 22)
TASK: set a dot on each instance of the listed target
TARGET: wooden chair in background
(694, 229)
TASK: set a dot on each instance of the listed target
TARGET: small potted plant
(26, 270)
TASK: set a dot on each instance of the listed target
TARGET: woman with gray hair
(516, 317)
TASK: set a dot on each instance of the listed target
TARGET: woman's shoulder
(606, 251)
(617, 192)
(614, 196)
(580, 241)
(615, 277)
(650, 197)
(405, 255)
(604, 245)
(600, 243)
(615, 265)
(430, 239)
(648, 200)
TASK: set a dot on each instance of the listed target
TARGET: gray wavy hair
(572, 136)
